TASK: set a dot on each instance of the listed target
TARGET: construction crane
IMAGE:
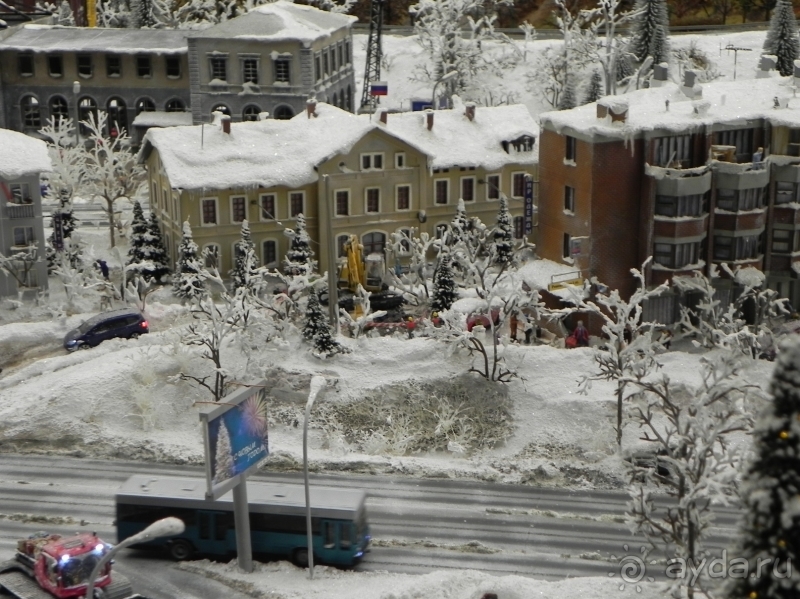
(372, 71)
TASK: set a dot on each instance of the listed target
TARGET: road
(418, 525)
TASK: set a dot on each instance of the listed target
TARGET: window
(781, 241)
(741, 138)
(31, 112)
(251, 112)
(144, 66)
(329, 535)
(20, 193)
(341, 240)
(565, 249)
(238, 209)
(267, 202)
(493, 187)
(85, 65)
(691, 205)
(87, 110)
(405, 241)
(325, 62)
(348, 56)
(677, 255)
(373, 243)
(218, 66)
(673, 150)
(222, 109)
(172, 65)
(317, 70)
(569, 153)
(785, 192)
(250, 70)
(468, 189)
(726, 199)
(372, 162)
(348, 100)
(373, 195)
(269, 252)
(340, 49)
(403, 197)
(742, 199)
(441, 191)
(333, 59)
(23, 236)
(400, 160)
(25, 64)
(518, 185)
(296, 203)
(569, 199)
(154, 199)
(335, 101)
(523, 143)
(55, 65)
(519, 227)
(342, 202)
(209, 211)
(113, 65)
(59, 109)
(211, 255)
(145, 105)
(282, 70)
(283, 113)
(117, 116)
(175, 105)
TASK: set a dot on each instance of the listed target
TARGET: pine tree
(445, 291)
(300, 257)
(624, 67)
(652, 15)
(782, 40)
(568, 97)
(188, 282)
(245, 266)
(503, 234)
(460, 226)
(594, 91)
(317, 331)
(770, 532)
(155, 252)
(660, 49)
(223, 466)
(137, 254)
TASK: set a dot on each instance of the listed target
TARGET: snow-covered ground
(120, 399)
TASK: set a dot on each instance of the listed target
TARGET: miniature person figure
(103, 266)
(514, 322)
(410, 326)
(758, 158)
(528, 328)
(581, 335)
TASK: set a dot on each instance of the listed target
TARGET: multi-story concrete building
(347, 174)
(271, 60)
(22, 160)
(692, 177)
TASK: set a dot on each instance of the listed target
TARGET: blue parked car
(127, 323)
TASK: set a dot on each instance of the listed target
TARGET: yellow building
(347, 174)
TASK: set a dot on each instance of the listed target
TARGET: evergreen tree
(652, 14)
(445, 291)
(300, 257)
(660, 49)
(568, 97)
(594, 91)
(624, 67)
(782, 40)
(68, 224)
(503, 234)
(188, 282)
(245, 266)
(317, 331)
(770, 532)
(155, 252)
(460, 226)
(137, 253)
(223, 465)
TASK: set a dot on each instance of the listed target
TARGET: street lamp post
(444, 77)
(317, 384)
(166, 527)
(76, 90)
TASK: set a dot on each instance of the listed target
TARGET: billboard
(235, 438)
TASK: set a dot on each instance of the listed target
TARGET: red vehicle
(49, 565)
(483, 320)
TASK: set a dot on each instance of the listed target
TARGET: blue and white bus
(277, 519)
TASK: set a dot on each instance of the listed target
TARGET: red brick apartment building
(674, 172)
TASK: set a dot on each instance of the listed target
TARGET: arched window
(211, 255)
(59, 109)
(250, 112)
(270, 252)
(283, 113)
(145, 105)
(117, 116)
(373, 243)
(335, 99)
(87, 110)
(221, 108)
(349, 100)
(175, 105)
(31, 112)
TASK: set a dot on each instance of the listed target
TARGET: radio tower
(372, 71)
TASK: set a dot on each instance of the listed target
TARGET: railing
(19, 211)
(561, 280)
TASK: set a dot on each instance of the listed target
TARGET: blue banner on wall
(528, 204)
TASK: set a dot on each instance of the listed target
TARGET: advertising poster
(236, 438)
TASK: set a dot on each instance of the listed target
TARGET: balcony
(679, 181)
(683, 226)
(747, 175)
(740, 221)
(11, 211)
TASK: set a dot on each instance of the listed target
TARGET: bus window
(329, 534)
(220, 527)
(204, 525)
(345, 535)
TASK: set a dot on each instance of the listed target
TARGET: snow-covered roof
(48, 38)
(265, 153)
(280, 20)
(540, 274)
(728, 102)
(22, 155)
(454, 140)
(162, 119)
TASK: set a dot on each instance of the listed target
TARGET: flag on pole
(378, 88)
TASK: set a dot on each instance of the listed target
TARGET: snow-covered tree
(19, 265)
(770, 530)
(694, 462)
(594, 90)
(782, 40)
(111, 168)
(503, 234)
(416, 251)
(138, 253)
(158, 266)
(67, 177)
(189, 281)
(62, 12)
(245, 265)
(317, 331)
(445, 291)
(650, 31)
(569, 98)
(300, 257)
(548, 75)
(223, 465)
(113, 13)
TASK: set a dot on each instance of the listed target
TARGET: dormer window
(372, 162)
(523, 144)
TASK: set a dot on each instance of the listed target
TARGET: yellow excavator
(369, 272)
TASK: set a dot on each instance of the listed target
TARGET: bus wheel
(300, 558)
(181, 550)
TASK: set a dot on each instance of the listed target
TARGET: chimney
(311, 107)
(383, 115)
(617, 109)
(602, 111)
(765, 65)
(226, 124)
(700, 107)
(797, 73)
(429, 118)
(690, 88)
(660, 74)
(469, 110)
